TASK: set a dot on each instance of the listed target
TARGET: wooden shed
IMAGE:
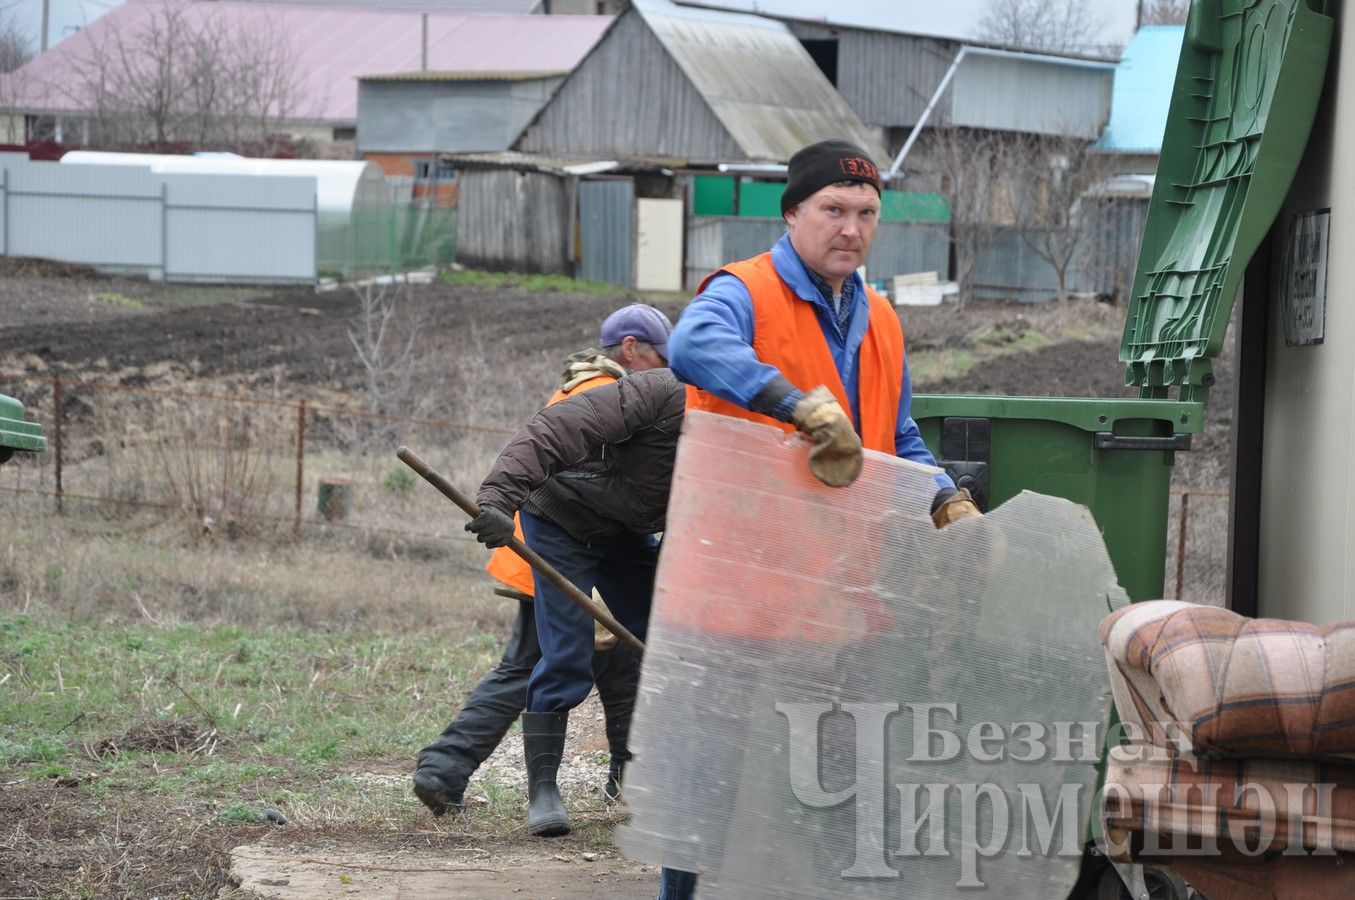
(516, 213)
(668, 82)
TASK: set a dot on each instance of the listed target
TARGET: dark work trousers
(622, 570)
(501, 695)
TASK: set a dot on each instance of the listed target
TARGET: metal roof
(951, 21)
(432, 75)
(334, 47)
(531, 162)
(757, 78)
(455, 7)
(1143, 91)
(939, 20)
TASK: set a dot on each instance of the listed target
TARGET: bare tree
(1054, 26)
(384, 335)
(1051, 173)
(181, 77)
(1163, 12)
(974, 168)
(15, 50)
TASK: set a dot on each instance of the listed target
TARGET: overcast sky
(943, 17)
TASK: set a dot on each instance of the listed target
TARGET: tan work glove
(957, 506)
(602, 638)
(836, 457)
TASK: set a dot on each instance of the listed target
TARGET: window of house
(436, 170)
(346, 133)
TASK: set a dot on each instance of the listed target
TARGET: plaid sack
(1210, 682)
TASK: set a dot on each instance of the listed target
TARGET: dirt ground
(300, 339)
(64, 320)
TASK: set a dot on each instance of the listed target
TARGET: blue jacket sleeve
(712, 345)
(908, 440)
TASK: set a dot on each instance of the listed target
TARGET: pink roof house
(330, 48)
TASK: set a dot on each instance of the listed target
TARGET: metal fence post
(56, 437)
(300, 465)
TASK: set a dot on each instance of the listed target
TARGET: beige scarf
(586, 364)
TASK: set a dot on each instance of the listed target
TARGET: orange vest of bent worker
(504, 564)
(787, 334)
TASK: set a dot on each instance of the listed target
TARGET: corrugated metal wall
(228, 227)
(886, 78)
(175, 227)
(628, 98)
(607, 231)
(1104, 259)
(446, 116)
(515, 221)
(1036, 97)
(1108, 254)
(899, 248)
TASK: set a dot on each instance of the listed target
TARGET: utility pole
(46, 14)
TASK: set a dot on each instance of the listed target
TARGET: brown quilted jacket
(597, 464)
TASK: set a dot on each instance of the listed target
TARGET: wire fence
(287, 468)
(239, 465)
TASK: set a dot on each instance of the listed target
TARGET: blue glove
(493, 527)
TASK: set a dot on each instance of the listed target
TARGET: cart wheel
(1162, 884)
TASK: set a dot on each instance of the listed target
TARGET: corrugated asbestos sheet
(607, 231)
(514, 221)
(759, 81)
(699, 86)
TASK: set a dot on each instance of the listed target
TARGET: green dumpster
(1245, 96)
(1112, 456)
(1243, 103)
(17, 434)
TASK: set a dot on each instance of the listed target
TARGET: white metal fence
(169, 227)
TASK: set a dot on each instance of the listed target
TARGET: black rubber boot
(617, 674)
(437, 795)
(543, 744)
(611, 791)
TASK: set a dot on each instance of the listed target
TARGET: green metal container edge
(1090, 414)
(15, 432)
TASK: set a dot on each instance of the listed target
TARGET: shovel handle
(532, 558)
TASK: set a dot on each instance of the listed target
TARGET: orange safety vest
(809, 607)
(504, 564)
(787, 334)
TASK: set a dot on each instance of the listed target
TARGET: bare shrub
(976, 174)
(1053, 173)
(384, 334)
(219, 465)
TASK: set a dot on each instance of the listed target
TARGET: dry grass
(144, 569)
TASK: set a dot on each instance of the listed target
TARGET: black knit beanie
(815, 167)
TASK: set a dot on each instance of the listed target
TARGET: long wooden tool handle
(549, 572)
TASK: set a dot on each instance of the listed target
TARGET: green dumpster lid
(15, 432)
(1245, 98)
